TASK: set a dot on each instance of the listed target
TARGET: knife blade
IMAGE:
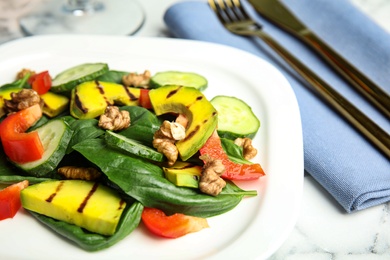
(279, 14)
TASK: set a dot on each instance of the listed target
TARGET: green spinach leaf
(146, 183)
(234, 151)
(112, 76)
(84, 129)
(143, 124)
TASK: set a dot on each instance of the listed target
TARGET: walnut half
(164, 140)
(22, 100)
(210, 182)
(79, 173)
(113, 119)
(249, 152)
(137, 80)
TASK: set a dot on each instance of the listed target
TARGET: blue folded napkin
(336, 155)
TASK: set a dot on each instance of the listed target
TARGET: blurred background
(12, 10)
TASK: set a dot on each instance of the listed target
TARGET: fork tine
(240, 10)
(217, 10)
(242, 14)
(230, 8)
(223, 9)
(231, 13)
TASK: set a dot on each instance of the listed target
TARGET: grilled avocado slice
(84, 203)
(201, 115)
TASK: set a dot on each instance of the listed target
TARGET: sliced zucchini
(68, 79)
(235, 118)
(132, 146)
(55, 136)
(187, 79)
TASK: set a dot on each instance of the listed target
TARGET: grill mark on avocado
(99, 87)
(129, 94)
(85, 201)
(79, 104)
(58, 188)
(197, 99)
(173, 92)
(101, 91)
(121, 203)
(196, 129)
(192, 133)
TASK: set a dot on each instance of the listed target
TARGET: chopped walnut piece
(249, 151)
(168, 148)
(210, 182)
(164, 140)
(79, 173)
(178, 131)
(114, 119)
(182, 119)
(21, 100)
(137, 80)
(21, 74)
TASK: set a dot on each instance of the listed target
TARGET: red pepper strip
(19, 146)
(144, 100)
(173, 226)
(10, 199)
(233, 171)
(40, 82)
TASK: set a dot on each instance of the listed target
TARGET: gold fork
(234, 17)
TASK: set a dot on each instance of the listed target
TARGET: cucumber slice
(187, 79)
(68, 79)
(55, 136)
(235, 118)
(132, 146)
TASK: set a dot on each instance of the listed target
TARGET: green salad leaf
(145, 182)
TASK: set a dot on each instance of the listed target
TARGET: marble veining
(325, 231)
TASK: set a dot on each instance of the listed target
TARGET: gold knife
(276, 12)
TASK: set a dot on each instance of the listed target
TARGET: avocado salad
(100, 151)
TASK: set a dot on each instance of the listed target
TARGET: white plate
(257, 226)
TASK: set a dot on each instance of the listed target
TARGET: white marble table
(323, 230)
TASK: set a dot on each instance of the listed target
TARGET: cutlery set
(233, 16)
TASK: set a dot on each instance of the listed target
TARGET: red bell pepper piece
(173, 226)
(10, 199)
(144, 100)
(233, 171)
(19, 146)
(40, 82)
